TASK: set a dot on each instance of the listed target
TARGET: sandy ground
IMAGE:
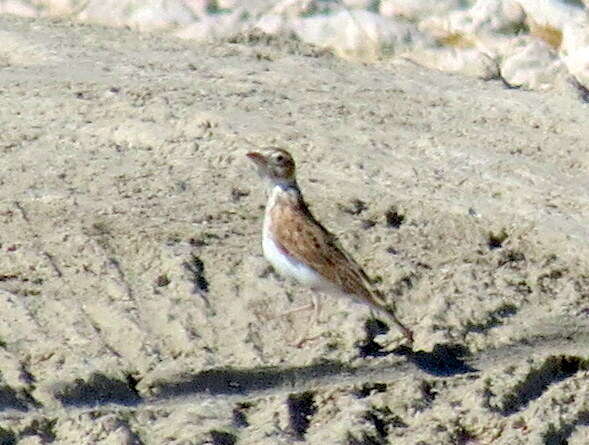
(137, 307)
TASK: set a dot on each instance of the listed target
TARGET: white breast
(288, 266)
(285, 264)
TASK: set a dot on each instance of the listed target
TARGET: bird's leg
(315, 305)
(408, 333)
(296, 310)
(314, 320)
(376, 302)
(390, 314)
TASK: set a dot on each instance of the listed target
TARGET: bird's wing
(304, 238)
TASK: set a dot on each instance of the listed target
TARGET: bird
(300, 247)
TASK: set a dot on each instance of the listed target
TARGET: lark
(299, 247)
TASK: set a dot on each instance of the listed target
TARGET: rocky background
(137, 307)
(531, 44)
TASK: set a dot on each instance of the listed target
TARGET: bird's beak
(258, 158)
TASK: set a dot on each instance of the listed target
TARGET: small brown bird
(298, 246)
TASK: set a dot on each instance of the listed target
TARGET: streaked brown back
(304, 238)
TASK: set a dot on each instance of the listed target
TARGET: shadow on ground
(443, 361)
(244, 381)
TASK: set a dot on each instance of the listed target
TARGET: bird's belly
(289, 266)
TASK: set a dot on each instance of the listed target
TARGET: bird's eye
(280, 158)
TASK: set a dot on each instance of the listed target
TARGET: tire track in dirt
(63, 306)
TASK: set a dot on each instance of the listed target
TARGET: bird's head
(276, 165)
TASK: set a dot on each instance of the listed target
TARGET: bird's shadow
(443, 361)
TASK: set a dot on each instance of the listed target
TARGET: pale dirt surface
(136, 306)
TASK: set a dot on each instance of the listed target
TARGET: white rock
(18, 8)
(554, 13)
(279, 17)
(486, 16)
(58, 7)
(495, 46)
(199, 7)
(293, 8)
(142, 15)
(497, 15)
(271, 23)
(212, 27)
(415, 10)
(358, 35)
(153, 17)
(357, 4)
(578, 65)
(575, 35)
(574, 49)
(532, 64)
(468, 61)
(227, 4)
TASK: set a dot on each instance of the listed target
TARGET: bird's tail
(379, 304)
